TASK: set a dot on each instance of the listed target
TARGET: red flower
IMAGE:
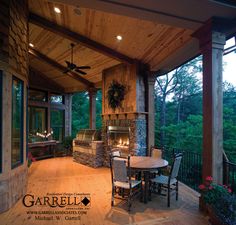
(229, 190)
(202, 187)
(209, 178)
(210, 187)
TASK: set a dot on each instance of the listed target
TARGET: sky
(229, 73)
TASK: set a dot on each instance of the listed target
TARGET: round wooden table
(146, 164)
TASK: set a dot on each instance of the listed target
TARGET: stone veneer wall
(138, 138)
(91, 156)
(13, 62)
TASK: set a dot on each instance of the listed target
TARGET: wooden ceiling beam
(78, 38)
(59, 67)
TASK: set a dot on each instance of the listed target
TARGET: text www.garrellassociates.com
(56, 212)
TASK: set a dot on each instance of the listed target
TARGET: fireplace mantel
(123, 115)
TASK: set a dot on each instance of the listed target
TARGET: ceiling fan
(71, 66)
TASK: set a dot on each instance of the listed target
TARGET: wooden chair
(120, 167)
(169, 182)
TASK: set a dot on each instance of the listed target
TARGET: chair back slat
(176, 166)
(119, 170)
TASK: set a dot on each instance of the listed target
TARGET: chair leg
(149, 191)
(159, 189)
(168, 196)
(141, 192)
(177, 190)
(129, 200)
(112, 196)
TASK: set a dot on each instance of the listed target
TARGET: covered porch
(129, 43)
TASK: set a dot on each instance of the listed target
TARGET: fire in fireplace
(119, 137)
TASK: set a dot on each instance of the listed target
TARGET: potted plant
(224, 210)
(211, 195)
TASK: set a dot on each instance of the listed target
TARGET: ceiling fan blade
(80, 71)
(67, 62)
(83, 67)
(66, 71)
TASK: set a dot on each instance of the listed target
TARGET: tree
(180, 83)
(165, 87)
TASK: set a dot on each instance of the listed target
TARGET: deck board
(64, 175)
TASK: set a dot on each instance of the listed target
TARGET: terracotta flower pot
(203, 207)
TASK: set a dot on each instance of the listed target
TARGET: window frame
(57, 126)
(39, 90)
(21, 161)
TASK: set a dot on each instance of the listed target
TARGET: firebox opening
(119, 137)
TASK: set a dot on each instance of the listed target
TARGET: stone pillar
(13, 62)
(92, 108)
(151, 111)
(68, 114)
(212, 45)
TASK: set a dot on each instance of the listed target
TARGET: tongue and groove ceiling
(144, 40)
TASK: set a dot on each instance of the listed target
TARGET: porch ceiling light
(119, 37)
(57, 10)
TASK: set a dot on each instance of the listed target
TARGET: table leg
(146, 186)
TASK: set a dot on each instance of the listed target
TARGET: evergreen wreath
(115, 94)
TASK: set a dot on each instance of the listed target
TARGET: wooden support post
(212, 45)
(151, 111)
(92, 108)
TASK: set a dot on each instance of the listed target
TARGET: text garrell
(58, 200)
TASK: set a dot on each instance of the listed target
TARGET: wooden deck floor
(62, 175)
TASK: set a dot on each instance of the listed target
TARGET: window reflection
(17, 122)
(37, 122)
(57, 124)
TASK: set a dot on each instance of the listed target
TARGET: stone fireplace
(126, 126)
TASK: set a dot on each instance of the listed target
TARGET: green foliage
(178, 105)
(185, 135)
(225, 209)
(80, 111)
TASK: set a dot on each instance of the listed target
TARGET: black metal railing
(229, 173)
(190, 172)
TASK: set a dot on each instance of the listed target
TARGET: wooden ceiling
(147, 41)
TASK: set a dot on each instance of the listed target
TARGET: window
(57, 124)
(1, 120)
(37, 122)
(56, 98)
(17, 122)
(36, 95)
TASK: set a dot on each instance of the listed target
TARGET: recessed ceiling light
(31, 45)
(119, 38)
(57, 10)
